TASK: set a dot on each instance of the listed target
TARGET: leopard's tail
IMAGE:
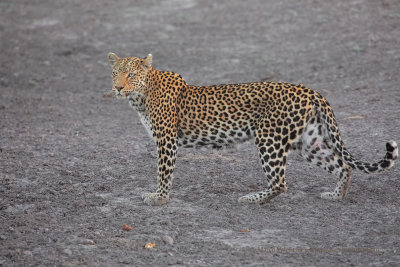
(333, 135)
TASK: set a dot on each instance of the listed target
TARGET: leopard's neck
(137, 101)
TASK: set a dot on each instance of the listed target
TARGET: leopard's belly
(226, 135)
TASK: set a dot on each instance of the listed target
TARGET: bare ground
(74, 162)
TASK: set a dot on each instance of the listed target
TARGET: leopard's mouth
(121, 94)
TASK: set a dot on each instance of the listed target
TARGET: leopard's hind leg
(273, 159)
(274, 139)
(315, 146)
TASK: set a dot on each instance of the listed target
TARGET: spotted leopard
(280, 117)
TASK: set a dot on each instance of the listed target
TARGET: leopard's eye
(131, 74)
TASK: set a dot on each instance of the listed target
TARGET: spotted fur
(280, 117)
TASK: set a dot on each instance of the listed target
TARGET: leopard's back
(220, 115)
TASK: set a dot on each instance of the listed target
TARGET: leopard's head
(129, 74)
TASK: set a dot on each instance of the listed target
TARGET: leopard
(279, 117)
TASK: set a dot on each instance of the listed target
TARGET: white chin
(119, 96)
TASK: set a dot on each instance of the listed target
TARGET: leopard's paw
(331, 196)
(154, 199)
(262, 197)
(255, 198)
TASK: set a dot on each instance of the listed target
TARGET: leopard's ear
(112, 59)
(148, 61)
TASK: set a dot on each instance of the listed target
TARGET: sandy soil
(74, 162)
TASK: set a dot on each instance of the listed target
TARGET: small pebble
(28, 253)
(168, 240)
(68, 251)
(87, 242)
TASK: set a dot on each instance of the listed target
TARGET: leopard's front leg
(167, 148)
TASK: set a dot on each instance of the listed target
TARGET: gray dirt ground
(74, 162)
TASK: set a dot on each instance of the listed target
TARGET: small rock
(150, 245)
(169, 240)
(28, 253)
(97, 233)
(126, 227)
(286, 207)
(87, 242)
(68, 251)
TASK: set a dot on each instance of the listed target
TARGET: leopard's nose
(119, 88)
